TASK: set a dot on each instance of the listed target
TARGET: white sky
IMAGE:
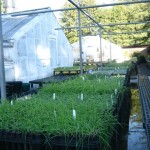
(34, 4)
(54, 4)
(21, 5)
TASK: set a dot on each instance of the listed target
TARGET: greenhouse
(32, 46)
(80, 82)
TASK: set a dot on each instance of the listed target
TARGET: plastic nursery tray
(18, 141)
(73, 143)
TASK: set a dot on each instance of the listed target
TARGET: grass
(46, 115)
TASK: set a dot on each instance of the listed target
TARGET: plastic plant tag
(112, 99)
(119, 83)
(82, 96)
(55, 113)
(82, 78)
(11, 102)
(105, 77)
(54, 96)
(74, 113)
(26, 97)
(116, 91)
(99, 80)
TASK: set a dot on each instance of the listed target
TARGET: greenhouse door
(53, 53)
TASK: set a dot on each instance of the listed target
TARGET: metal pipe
(101, 53)
(136, 32)
(110, 47)
(85, 7)
(2, 68)
(113, 24)
(87, 15)
(115, 4)
(80, 42)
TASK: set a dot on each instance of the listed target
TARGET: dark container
(25, 87)
(72, 143)
(19, 141)
(9, 90)
(17, 86)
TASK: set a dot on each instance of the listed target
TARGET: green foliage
(2, 6)
(124, 64)
(109, 15)
(141, 59)
(70, 18)
(46, 115)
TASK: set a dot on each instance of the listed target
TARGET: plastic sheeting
(91, 50)
(39, 50)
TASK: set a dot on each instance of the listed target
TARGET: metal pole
(101, 58)
(110, 47)
(80, 41)
(111, 25)
(84, 7)
(85, 13)
(2, 68)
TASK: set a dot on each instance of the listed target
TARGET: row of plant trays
(10, 140)
(13, 140)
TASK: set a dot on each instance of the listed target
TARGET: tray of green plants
(67, 68)
(81, 108)
(99, 85)
(112, 71)
(73, 68)
(65, 116)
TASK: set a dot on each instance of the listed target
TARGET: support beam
(101, 51)
(2, 68)
(85, 13)
(111, 25)
(136, 32)
(80, 42)
(85, 7)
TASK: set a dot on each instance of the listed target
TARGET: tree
(2, 6)
(111, 15)
(70, 18)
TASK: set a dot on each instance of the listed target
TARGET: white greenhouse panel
(38, 48)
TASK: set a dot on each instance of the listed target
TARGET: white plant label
(116, 91)
(74, 113)
(54, 96)
(55, 113)
(11, 102)
(112, 99)
(82, 96)
(82, 78)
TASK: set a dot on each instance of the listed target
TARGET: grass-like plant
(82, 106)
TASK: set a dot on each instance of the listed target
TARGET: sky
(21, 5)
(54, 4)
(34, 4)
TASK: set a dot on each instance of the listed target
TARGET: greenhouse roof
(12, 24)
